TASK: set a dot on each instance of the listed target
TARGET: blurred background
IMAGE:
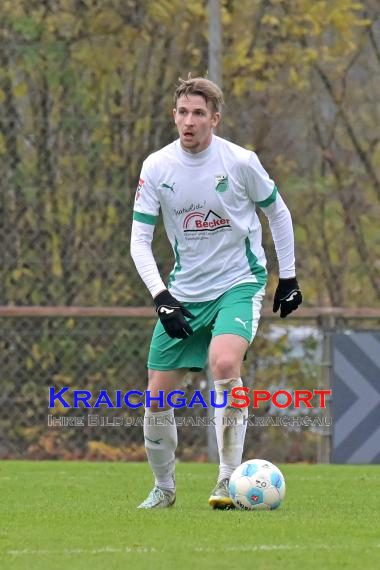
(86, 92)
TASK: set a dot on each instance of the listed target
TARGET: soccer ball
(257, 484)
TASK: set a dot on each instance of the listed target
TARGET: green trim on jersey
(145, 218)
(177, 265)
(270, 200)
(256, 269)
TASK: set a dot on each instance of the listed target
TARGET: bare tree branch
(362, 154)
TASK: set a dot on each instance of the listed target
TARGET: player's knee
(157, 406)
(224, 366)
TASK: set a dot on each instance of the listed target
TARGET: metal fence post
(328, 325)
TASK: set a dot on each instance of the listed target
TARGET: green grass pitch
(73, 515)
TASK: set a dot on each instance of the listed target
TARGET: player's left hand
(288, 296)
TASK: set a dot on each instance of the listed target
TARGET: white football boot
(220, 497)
(158, 499)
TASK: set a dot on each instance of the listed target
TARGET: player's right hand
(172, 315)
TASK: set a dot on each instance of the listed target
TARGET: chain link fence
(109, 353)
(84, 98)
(71, 147)
(80, 112)
(95, 354)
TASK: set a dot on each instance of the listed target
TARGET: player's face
(195, 120)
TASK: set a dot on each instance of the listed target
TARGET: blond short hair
(203, 87)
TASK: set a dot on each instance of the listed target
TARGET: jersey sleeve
(260, 187)
(263, 191)
(281, 227)
(142, 255)
(146, 207)
(145, 215)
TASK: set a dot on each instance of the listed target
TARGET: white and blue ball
(257, 484)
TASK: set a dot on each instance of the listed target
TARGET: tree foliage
(86, 92)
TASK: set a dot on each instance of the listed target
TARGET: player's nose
(189, 121)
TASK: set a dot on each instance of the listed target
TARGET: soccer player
(207, 189)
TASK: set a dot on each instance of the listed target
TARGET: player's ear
(216, 119)
(174, 113)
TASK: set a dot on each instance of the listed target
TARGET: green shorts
(237, 311)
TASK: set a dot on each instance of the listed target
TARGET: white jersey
(208, 202)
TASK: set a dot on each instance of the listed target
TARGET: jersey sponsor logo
(201, 222)
(139, 188)
(168, 186)
(221, 183)
(190, 208)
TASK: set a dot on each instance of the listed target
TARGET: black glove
(172, 315)
(287, 296)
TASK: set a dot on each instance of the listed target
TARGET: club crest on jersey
(221, 183)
